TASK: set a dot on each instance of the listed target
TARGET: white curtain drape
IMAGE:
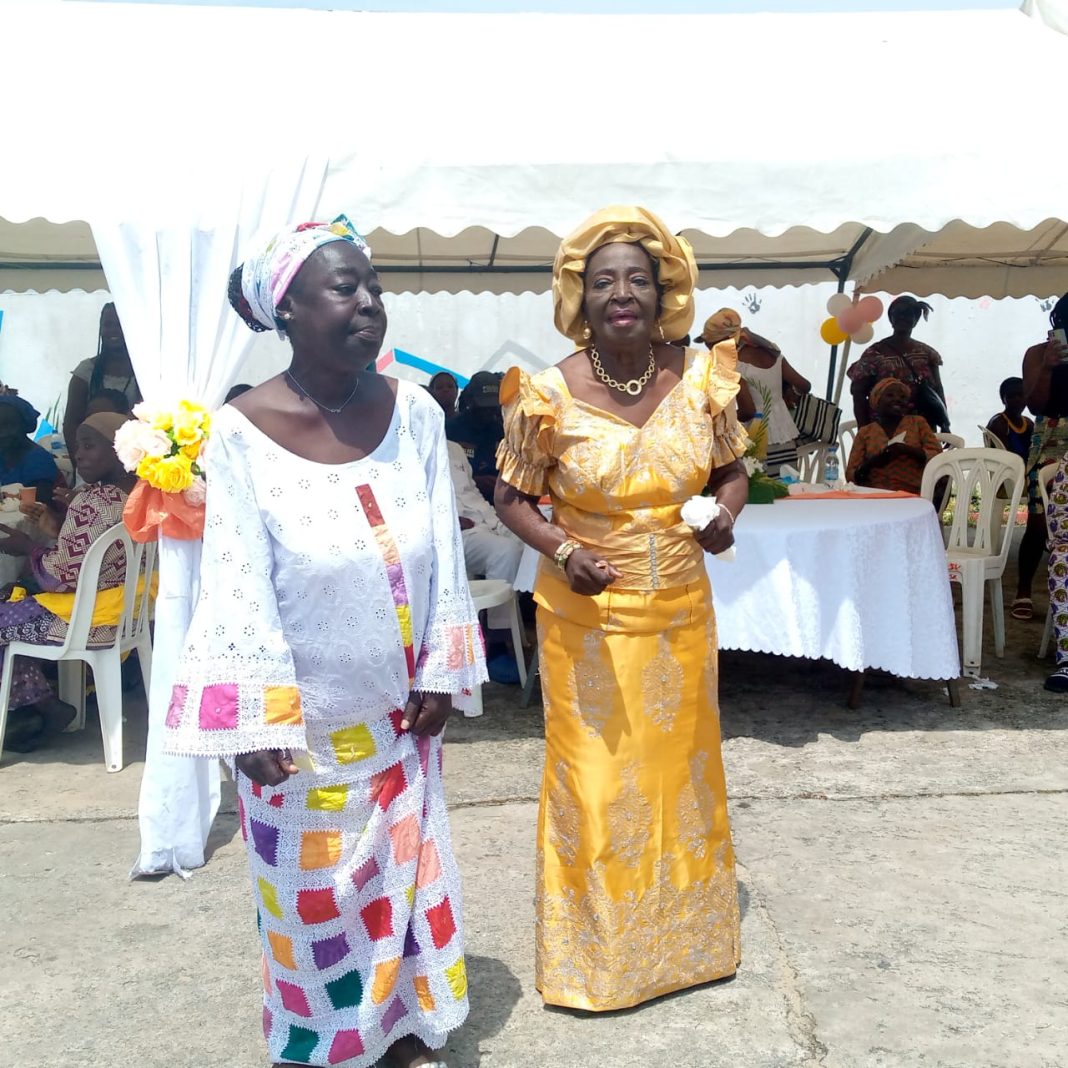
(169, 284)
(1054, 13)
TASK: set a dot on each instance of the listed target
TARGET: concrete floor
(903, 869)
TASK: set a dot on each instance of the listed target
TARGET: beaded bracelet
(729, 512)
(563, 553)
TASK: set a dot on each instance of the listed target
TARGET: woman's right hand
(47, 522)
(588, 575)
(267, 767)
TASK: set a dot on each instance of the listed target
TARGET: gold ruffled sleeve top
(616, 487)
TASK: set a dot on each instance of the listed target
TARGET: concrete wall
(43, 336)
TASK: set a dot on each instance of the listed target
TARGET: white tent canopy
(469, 144)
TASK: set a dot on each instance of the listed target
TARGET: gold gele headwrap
(881, 387)
(676, 268)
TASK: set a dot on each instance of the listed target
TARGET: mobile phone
(1060, 336)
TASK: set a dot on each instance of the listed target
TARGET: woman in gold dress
(636, 891)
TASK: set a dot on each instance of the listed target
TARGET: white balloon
(838, 304)
(863, 335)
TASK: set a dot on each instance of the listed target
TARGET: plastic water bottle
(830, 467)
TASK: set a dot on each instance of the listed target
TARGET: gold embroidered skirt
(636, 893)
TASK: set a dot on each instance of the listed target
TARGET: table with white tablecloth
(861, 582)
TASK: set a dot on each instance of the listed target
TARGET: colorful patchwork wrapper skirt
(358, 898)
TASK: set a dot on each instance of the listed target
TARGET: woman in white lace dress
(334, 628)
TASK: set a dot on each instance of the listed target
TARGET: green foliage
(54, 415)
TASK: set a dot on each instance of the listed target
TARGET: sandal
(1058, 681)
(1022, 608)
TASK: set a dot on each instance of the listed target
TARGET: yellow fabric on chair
(108, 608)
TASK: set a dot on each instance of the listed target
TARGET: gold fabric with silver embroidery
(636, 893)
(617, 488)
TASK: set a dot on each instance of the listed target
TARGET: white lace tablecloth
(863, 583)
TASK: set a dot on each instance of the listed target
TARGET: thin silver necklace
(634, 386)
(318, 403)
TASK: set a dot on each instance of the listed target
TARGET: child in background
(1011, 427)
(1014, 430)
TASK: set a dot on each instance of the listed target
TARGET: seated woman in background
(891, 452)
(55, 568)
(21, 459)
(109, 369)
(444, 388)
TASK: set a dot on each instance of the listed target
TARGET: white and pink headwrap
(266, 276)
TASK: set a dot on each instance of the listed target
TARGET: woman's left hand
(718, 535)
(15, 543)
(426, 713)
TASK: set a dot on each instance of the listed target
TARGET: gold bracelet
(563, 553)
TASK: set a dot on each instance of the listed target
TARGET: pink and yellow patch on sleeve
(461, 646)
(387, 546)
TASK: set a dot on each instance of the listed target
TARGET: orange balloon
(831, 332)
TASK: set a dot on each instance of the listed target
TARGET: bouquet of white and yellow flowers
(163, 446)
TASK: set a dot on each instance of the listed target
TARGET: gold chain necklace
(318, 403)
(634, 386)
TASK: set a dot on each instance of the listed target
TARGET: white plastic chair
(990, 439)
(132, 632)
(975, 552)
(490, 593)
(1045, 476)
(847, 434)
(955, 441)
(811, 459)
(951, 441)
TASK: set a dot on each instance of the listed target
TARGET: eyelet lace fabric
(329, 593)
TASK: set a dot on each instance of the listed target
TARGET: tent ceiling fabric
(435, 164)
(960, 260)
(999, 261)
